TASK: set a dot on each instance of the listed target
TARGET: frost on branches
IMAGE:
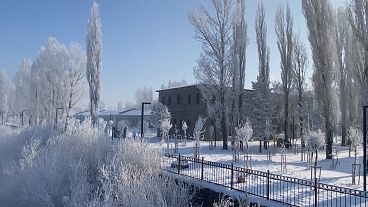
(356, 139)
(198, 134)
(165, 128)
(244, 132)
(94, 48)
(315, 140)
(184, 127)
(79, 168)
(159, 112)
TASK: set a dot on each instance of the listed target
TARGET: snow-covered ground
(340, 176)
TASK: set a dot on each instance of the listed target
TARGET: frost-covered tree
(213, 70)
(240, 43)
(198, 134)
(261, 95)
(76, 80)
(49, 80)
(285, 44)
(342, 32)
(56, 80)
(5, 93)
(143, 95)
(165, 128)
(244, 132)
(22, 99)
(356, 139)
(174, 83)
(94, 49)
(159, 112)
(358, 16)
(321, 25)
(300, 64)
(315, 141)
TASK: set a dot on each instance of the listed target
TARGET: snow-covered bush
(184, 127)
(165, 128)
(198, 134)
(315, 140)
(245, 133)
(82, 168)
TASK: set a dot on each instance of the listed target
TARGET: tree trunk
(286, 123)
(329, 139)
(224, 132)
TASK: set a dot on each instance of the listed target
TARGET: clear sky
(145, 42)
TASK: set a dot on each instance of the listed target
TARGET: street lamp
(56, 116)
(365, 148)
(143, 103)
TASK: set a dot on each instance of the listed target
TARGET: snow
(341, 176)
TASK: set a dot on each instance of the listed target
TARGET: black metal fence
(283, 189)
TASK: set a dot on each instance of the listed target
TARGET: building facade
(185, 104)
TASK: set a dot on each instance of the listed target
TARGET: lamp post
(365, 148)
(56, 116)
(142, 115)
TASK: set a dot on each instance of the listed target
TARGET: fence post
(179, 166)
(202, 168)
(315, 192)
(268, 184)
(232, 176)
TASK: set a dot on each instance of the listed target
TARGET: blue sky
(145, 42)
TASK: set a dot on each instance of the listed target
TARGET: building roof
(177, 87)
(192, 85)
(135, 112)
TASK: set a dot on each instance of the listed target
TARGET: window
(169, 101)
(189, 99)
(178, 99)
(198, 98)
(163, 100)
(188, 123)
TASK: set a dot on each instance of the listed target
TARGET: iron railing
(284, 189)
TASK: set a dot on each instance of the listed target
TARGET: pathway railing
(284, 189)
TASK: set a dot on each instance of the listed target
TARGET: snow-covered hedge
(83, 168)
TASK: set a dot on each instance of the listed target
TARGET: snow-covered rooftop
(191, 85)
(135, 112)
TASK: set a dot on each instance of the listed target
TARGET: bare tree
(213, 66)
(321, 25)
(342, 47)
(76, 78)
(299, 68)
(143, 95)
(285, 44)
(261, 97)
(240, 43)
(358, 18)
